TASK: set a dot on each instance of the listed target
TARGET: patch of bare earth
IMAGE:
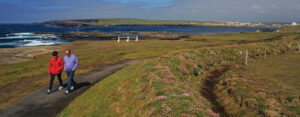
(21, 54)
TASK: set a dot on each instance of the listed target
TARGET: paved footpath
(41, 104)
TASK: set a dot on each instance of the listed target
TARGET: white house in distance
(294, 24)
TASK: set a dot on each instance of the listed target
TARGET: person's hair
(68, 50)
(54, 53)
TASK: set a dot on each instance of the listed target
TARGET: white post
(298, 47)
(137, 38)
(246, 62)
(265, 53)
(118, 38)
(127, 39)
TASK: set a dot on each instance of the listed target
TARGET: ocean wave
(29, 35)
(40, 43)
(30, 43)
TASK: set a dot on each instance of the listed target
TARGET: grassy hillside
(126, 21)
(172, 85)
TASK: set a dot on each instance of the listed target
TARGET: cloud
(256, 7)
(147, 4)
(274, 6)
(53, 8)
(39, 5)
(297, 7)
(201, 10)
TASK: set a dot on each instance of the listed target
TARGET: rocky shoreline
(114, 36)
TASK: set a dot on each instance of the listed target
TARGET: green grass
(239, 38)
(93, 54)
(281, 78)
(272, 82)
(135, 93)
(165, 86)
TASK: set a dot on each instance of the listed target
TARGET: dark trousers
(52, 76)
(71, 81)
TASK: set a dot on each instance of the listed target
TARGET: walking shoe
(67, 92)
(60, 87)
(72, 88)
(48, 91)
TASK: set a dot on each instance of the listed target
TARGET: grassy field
(19, 79)
(170, 85)
(294, 29)
(268, 87)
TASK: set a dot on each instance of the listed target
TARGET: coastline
(156, 25)
(146, 22)
(23, 54)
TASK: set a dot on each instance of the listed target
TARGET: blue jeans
(52, 76)
(71, 81)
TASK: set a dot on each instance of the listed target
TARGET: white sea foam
(29, 39)
(38, 43)
(28, 35)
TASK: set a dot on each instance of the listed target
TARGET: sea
(22, 35)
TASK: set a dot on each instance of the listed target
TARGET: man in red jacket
(55, 68)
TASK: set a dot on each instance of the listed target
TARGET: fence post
(118, 39)
(127, 39)
(298, 47)
(265, 53)
(246, 60)
(137, 38)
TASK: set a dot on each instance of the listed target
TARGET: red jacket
(56, 65)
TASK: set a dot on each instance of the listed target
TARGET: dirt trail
(208, 90)
(39, 103)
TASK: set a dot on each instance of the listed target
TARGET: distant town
(258, 24)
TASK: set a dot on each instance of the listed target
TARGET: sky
(31, 11)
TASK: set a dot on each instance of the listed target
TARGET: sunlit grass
(92, 54)
(165, 86)
(267, 86)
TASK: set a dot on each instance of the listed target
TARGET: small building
(294, 24)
